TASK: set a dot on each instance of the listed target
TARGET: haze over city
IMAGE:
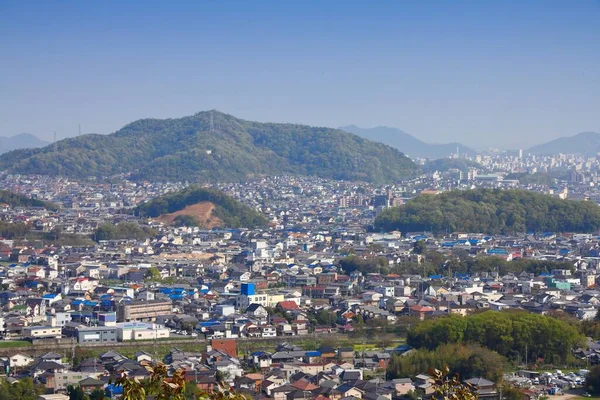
(505, 74)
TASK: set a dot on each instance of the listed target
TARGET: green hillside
(231, 212)
(490, 211)
(212, 146)
(18, 200)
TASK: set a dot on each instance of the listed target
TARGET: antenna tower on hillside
(79, 134)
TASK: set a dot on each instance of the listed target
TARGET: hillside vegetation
(229, 211)
(18, 200)
(490, 211)
(212, 146)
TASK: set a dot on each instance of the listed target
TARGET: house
(35, 307)
(402, 386)
(268, 331)
(19, 360)
(261, 359)
(486, 389)
(420, 311)
(257, 311)
(424, 385)
(90, 384)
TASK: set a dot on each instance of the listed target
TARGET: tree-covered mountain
(20, 141)
(490, 211)
(211, 146)
(586, 143)
(229, 211)
(407, 143)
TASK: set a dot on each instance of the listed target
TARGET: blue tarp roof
(497, 251)
(207, 324)
(113, 389)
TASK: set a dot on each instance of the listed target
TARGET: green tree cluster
(16, 230)
(24, 389)
(512, 334)
(212, 146)
(18, 200)
(467, 361)
(365, 265)
(122, 230)
(233, 213)
(592, 381)
(491, 211)
(185, 220)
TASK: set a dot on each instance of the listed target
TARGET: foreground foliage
(491, 212)
(162, 386)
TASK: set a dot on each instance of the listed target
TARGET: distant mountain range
(408, 144)
(213, 146)
(20, 141)
(586, 143)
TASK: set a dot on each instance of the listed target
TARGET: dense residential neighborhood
(276, 312)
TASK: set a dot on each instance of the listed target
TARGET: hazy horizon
(505, 74)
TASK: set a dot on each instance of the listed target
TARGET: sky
(507, 74)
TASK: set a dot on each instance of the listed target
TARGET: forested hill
(490, 211)
(18, 200)
(212, 146)
(229, 211)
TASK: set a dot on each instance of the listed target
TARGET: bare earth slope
(202, 212)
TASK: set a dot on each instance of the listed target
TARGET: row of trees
(512, 334)
(460, 262)
(491, 211)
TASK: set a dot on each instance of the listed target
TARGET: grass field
(9, 344)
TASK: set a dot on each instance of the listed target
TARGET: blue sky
(486, 73)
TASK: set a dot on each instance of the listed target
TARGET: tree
(24, 389)
(97, 394)
(153, 274)
(420, 247)
(592, 380)
(76, 393)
